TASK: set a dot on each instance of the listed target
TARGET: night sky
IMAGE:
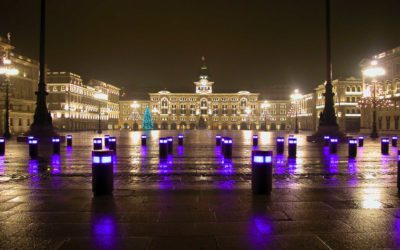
(151, 45)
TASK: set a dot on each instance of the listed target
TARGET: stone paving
(198, 200)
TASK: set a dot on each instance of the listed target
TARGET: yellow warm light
(374, 72)
(8, 71)
(100, 96)
(296, 95)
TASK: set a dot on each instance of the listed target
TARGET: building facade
(205, 109)
(22, 89)
(348, 93)
(387, 93)
(78, 106)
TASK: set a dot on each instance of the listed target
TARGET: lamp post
(135, 114)
(7, 70)
(295, 97)
(265, 106)
(100, 97)
(374, 71)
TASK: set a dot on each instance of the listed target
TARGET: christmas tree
(147, 120)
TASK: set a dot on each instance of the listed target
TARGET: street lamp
(295, 97)
(265, 106)
(101, 97)
(374, 71)
(7, 70)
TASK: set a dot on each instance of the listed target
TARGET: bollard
(292, 147)
(29, 138)
(280, 145)
(97, 144)
(394, 141)
(107, 141)
(144, 140)
(327, 139)
(102, 172)
(33, 148)
(261, 172)
(385, 146)
(170, 143)
(255, 140)
(112, 144)
(333, 145)
(228, 148)
(163, 148)
(180, 140)
(218, 140)
(69, 140)
(352, 148)
(361, 141)
(56, 145)
(398, 171)
(2, 146)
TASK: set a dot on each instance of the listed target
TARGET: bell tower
(204, 85)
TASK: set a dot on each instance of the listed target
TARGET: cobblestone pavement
(198, 200)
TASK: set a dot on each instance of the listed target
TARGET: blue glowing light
(180, 136)
(361, 137)
(218, 136)
(255, 136)
(144, 136)
(102, 159)
(55, 140)
(292, 140)
(69, 136)
(97, 141)
(258, 159)
(107, 136)
(334, 140)
(394, 137)
(280, 139)
(352, 141)
(2, 140)
(33, 141)
(385, 140)
(169, 139)
(112, 139)
(327, 137)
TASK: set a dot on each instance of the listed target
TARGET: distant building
(348, 93)
(74, 106)
(387, 92)
(205, 109)
(22, 90)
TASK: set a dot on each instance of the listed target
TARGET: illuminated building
(386, 88)
(348, 93)
(205, 109)
(22, 90)
(74, 106)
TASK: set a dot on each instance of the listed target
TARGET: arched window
(243, 103)
(203, 103)
(164, 106)
(358, 89)
(353, 89)
(347, 88)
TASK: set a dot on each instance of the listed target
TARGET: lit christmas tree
(147, 120)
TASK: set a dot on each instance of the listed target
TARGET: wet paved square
(198, 200)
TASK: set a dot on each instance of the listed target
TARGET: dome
(164, 92)
(243, 92)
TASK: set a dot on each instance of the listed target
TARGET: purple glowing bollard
(144, 140)
(69, 140)
(218, 140)
(292, 147)
(33, 148)
(163, 148)
(112, 144)
(333, 145)
(228, 147)
(97, 143)
(261, 172)
(102, 172)
(352, 148)
(2, 146)
(361, 141)
(327, 139)
(180, 139)
(280, 145)
(170, 144)
(255, 140)
(106, 141)
(398, 171)
(394, 141)
(56, 145)
(385, 146)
